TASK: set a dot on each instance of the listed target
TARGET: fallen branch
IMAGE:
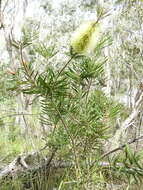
(26, 163)
(29, 163)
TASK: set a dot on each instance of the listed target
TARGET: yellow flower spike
(85, 38)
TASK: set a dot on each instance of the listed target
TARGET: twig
(121, 147)
(65, 66)
(88, 90)
(16, 114)
(29, 75)
(70, 137)
(116, 149)
(6, 3)
(23, 62)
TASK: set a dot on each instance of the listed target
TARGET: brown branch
(23, 62)
(25, 65)
(121, 147)
(65, 66)
(116, 149)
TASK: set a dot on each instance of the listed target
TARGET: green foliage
(78, 115)
(29, 31)
(44, 51)
(128, 166)
(7, 81)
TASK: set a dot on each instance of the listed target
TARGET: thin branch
(116, 149)
(23, 62)
(65, 66)
(5, 5)
(121, 147)
(16, 114)
(70, 137)
(88, 90)
(29, 75)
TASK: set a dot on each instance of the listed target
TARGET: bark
(26, 163)
(121, 133)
